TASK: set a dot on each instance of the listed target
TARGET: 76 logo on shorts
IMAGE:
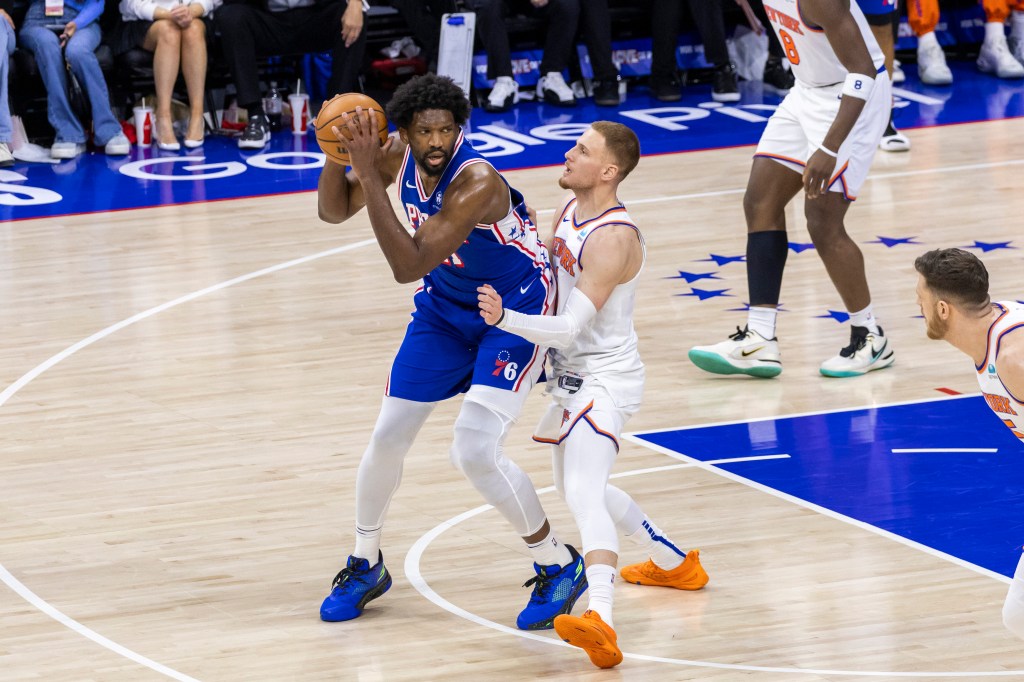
(502, 365)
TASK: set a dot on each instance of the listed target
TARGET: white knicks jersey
(1007, 407)
(605, 352)
(814, 62)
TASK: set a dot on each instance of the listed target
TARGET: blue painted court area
(533, 134)
(966, 504)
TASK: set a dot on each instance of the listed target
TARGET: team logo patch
(503, 365)
(565, 416)
(991, 369)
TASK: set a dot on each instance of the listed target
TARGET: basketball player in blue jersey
(821, 141)
(952, 292)
(470, 228)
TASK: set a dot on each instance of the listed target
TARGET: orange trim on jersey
(811, 27)
(579, 259)
(988, 337)
(999, 341)
(603, 433)
(803, 164)
(579, 226)
(546, 440)
(780, 157)
(571, 203)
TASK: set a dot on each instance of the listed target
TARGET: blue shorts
(448, 348)
(876, 7)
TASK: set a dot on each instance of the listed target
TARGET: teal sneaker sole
(716, 364)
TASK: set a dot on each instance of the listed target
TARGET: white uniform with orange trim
(1008, 407)
(803, 119)
(598, 380)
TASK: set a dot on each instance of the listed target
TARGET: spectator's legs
(163, 39)
(707, 14)
(493, 35)
(45, 46)
(325, 29)
(596, 27)
(6, 48)
(775, 50)
(193, 68)
(563, 17)
(425, 23)
(664, 36)
(242, 29)
(81, 55)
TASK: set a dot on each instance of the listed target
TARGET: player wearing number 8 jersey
(470, 227)
(822, 140)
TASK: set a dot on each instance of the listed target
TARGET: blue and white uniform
(448, 347)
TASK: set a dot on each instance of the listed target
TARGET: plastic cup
(300, 113)
(143, 126)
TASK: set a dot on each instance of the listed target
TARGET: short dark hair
(428, 91)
(622, 143)
(956, 276)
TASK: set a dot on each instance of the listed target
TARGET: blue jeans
(81, 56)
(6, 48)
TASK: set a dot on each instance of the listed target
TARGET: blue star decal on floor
(746, 308)
(723, 260)
(705, 294)
(692, 277)
(837, 315)
(894, 241)
(989, 246)
(797, 247)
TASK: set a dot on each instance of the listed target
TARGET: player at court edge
(470, 227)
(952, 292)
(596, 380)
(820, 140)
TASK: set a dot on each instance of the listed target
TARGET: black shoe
(666, 89)
(256, 133)
(606, 93)
(776, 78)
(725, 88)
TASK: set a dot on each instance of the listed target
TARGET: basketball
(330, 115)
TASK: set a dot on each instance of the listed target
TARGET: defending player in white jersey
(952, 291)
(596, 380)
(822, 140)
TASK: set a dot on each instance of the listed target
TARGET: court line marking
(416, 579)
(900, 451)
(19, 587)
(637, 437)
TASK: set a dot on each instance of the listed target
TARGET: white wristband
(834, 155)
(858, 85)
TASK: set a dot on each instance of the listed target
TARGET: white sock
(865, 318)
(762, 321)
(549, 552)
(994, 31)
(368, 544)
(663, 553)
(1017, 24)
(601, 588)
(927, 40)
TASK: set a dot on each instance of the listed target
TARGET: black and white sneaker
(256, 134)
(867, 352)
(777, 78)
(725, 88)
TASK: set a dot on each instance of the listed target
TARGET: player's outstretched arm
(340, 194)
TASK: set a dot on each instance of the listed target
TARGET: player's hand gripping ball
(330, 115)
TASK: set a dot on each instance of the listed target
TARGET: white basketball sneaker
(746, 352)
(995, 57)
(867, 352)
(931, 61)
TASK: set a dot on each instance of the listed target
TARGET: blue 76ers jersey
(507, 254)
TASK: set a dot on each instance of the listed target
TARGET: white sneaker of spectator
(897, 72)
(118, 145)
(6, 157)
(66, 150)
(503, 95)
(995, 56)
(553, 89)
(931, 61)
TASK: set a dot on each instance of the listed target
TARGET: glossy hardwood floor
(189, 390)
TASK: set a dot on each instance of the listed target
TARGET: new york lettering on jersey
(807, 48)
(1008, 407)
(507, 254)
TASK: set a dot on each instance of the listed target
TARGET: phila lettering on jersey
(606, 351)
(1008, 407)
(814, 62)
(507, 254)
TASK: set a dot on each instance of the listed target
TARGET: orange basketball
(330, 115)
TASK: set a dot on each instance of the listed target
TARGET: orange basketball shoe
(689, 575)
(591, 634)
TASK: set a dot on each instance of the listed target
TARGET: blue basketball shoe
(354, 586)
(555, 591)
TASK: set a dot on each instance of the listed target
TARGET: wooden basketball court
(187, 392)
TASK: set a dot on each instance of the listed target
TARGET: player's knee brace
(476, 448)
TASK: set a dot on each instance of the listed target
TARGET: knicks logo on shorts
(566, 414)
(504, 366)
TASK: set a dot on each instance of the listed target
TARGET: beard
(936, 328)
(430, 170)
